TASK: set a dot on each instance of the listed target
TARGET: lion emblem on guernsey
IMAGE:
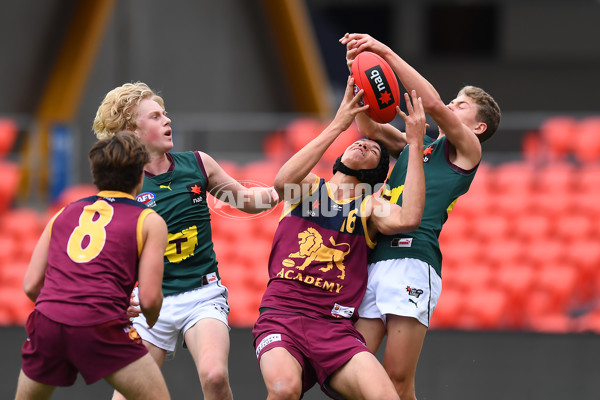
(311, 248)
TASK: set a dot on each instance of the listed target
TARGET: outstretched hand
(350, 106)
(415, 120)
(358, 42)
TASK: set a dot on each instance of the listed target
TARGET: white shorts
(406, 287)
(180, 312)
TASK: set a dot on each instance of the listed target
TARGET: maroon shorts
(321, 346)
(53, 352)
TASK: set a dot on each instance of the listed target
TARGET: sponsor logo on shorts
(275, 337)
(134, 335)
(401, 242)
(414, 292)
(339, 311)
(147, 198)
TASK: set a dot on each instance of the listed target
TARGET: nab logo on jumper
(195, 193)
(380, 85)
(427, 152)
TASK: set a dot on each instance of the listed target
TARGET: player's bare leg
(282, 374)
(29, 389)
(363, 377)
(373, 330)
(157, 354)
(208, 343)
(402, 350)
(141, 380)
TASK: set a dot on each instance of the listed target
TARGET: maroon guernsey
(318, 262)
(93, 260)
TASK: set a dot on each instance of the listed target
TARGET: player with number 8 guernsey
(81, 274)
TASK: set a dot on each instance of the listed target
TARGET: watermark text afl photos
(226, 199)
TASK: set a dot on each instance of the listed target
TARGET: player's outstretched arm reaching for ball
(467, 121)
(297, 169)
(408, 217)
(450, 162)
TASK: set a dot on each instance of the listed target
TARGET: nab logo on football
(381, 92)
(146, 198)
(380, 85)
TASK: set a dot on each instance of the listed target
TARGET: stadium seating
(551, 322)
(516, 280)
(15, 306)
(510, 205)
(473, 204)
(532, 147)
(10, 177)
(557, 134)
(520, 250)
(555, 178)
(448, 311)
(491, 228)
(512, 177)
(485, 308)
(586, 142)
(456, 227)
(588, 322)
(8, 135)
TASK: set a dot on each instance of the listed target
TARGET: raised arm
(393, 139)
(297, 169)
(459, 135)
(252, 200)
(151, 266)
(388, 218)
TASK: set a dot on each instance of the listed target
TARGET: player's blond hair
(118, 109)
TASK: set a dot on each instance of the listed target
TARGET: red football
(375, 76)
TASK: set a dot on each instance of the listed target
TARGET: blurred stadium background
(251, 81)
